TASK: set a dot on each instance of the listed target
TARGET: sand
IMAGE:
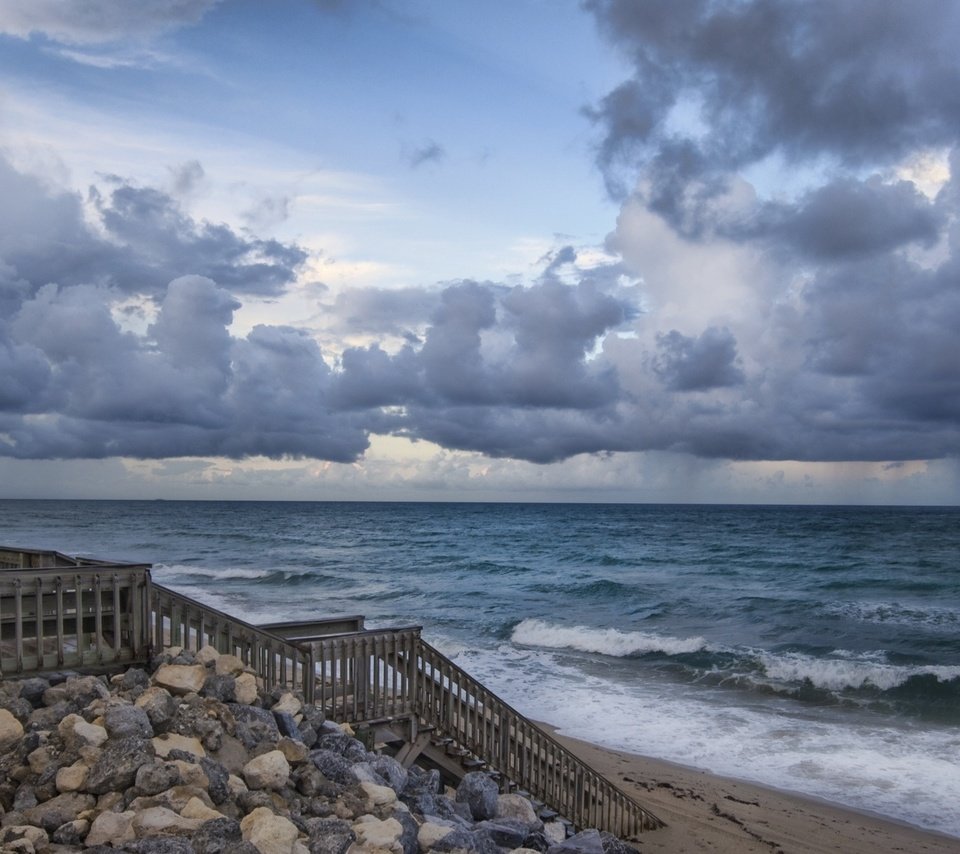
(709, 813)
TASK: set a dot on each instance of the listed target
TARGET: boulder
(156, 777)
(229, 665)
(169, 741)
(375, 833)
(115, 768)
(330, 836)
(180, 679)
(379, 796)
(59, 810)
(271, 834)
(11, 730)
(160, 821)
(111, 828)
(585, 842)
(516, 808)
(71, 778)
(267, 771)
(431, 833)
(77, 733)
(127, 720)
(159, 705)
(245, 688)
(480, 794)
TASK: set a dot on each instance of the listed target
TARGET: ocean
(815, 649)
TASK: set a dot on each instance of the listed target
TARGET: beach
(705, 812)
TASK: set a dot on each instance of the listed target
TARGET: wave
(612, 642)
(928, 616)
(180, 570)
(858, 672)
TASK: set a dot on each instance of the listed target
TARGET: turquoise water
(815, 649)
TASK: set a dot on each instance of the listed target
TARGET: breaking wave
(613, 642)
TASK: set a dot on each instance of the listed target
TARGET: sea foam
(612, 642)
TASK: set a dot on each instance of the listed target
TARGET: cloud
(139, 240)
(99, 21)
(698, 364)
(429, 152)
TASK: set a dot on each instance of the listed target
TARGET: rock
(480, 794)
(517, 808)
(420, 781)
(555, 831)
(196, 808)
(134, 678)
(156, 777)
(218, 836)
(162, 845)
(373, 833)
(40, 759)
(72, 777)
(163, 744)
(342, 744)
(295, 751)
(585, 842)
(47, 717)
(59, 810)
(127, 720)
(229, 665)
(330, 836)
(287, 725)
(267, 771)
(379, 796)
(537, 841)
(411, 827)
(72, 832)
(245, 688)
(333, 767)
(180, 679)
(431, 833)
(117, 765)
(174, 798)
(77, 733)
(287, 703)
(12, 834)
(111, 828)
(220, 687)
(271, 834)
(154, 821)
(254, 726)
(395, 775)
(32, 690)
(613, 845)
(217, 780)
(159, 705)
(507, 833)
(207, 655)
(77, 691)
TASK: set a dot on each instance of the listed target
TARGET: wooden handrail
(178, 620)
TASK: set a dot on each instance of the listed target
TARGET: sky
(522, 250)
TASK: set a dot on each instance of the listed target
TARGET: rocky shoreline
(193, 758)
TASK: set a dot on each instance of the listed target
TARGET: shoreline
(706, 812)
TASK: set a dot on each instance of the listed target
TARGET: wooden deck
(60, 612)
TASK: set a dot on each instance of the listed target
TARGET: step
(473, 764)
(547, 814)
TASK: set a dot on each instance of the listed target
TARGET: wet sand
(709, 813)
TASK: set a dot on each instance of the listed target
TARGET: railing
(377, 675)
(177, 620)
(479, 721)
(74, 616)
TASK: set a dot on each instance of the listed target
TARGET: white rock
(230, 665)
(111, 828)
(160, 821)
(288, 703)
(347, 729)
(180, 679)
(295, 751)
(245, 688)
(11, 730)
(269, 833)
(163, 744)
(379, 796)
(195, 808)
(207, 654)
(555, 831)
(430, 834)
(236, 785)
(72, 777)
(77, 733)
(516, 807)
(191, 774)
(374, 833)
(267, 771)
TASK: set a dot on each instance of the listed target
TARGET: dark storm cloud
(146, 241)
(490, 367)
(863, 80)
(698, 364)
(845, 347)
